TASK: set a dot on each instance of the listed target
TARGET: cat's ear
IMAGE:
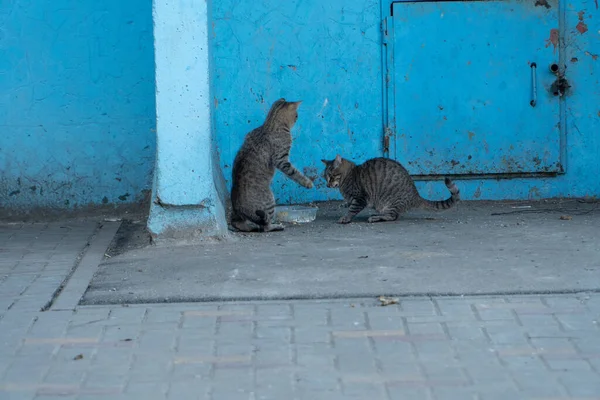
(325, 162)
(295, 104)
(337, 161)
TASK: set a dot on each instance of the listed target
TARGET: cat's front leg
(283, 164)
(356, 206)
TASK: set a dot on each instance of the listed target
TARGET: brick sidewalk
(35, 259)
(527, 347)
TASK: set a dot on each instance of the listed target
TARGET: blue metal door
(461, 79)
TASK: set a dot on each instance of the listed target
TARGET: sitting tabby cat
(264, 149)
(383, 184)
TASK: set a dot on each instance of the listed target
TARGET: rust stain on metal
(581, 26)
(574, 59)
(216, 103)
(477, 193)
(553, 39)
(542, 3)
(471, 135)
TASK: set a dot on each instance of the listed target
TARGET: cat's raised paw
(308, 184)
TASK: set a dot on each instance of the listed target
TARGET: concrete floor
(530, 347)
(477, 248)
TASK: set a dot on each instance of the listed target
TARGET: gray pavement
(526, 347)
(478, 248)
(37, 258)
(442, 347)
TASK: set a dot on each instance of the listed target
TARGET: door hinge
(386, 140)
(384, 31)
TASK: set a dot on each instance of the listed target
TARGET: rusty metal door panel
(466, 99)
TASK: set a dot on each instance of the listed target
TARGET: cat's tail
(443, 204)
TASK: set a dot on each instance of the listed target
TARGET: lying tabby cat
(264, 149)
(383, 184)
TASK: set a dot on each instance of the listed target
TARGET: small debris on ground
(78, 357)
(566, 217)
(126, 340)
(363, 256)
(386, 301)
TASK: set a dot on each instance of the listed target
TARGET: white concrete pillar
(187, 201)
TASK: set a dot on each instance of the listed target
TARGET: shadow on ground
(478, 248)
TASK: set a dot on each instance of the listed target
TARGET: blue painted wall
(329, 54)
(326, 53)
(77, 97)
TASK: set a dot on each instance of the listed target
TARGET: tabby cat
(265, 149)
(380, 183)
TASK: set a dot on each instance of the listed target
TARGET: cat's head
(334, 171)
(284, 111)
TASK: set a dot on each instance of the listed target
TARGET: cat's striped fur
(265, 149)
(383, 184)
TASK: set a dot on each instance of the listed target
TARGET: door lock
(561, 84)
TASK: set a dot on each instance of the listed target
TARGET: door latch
(561, 84)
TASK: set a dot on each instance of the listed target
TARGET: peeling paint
(594, 56)
(553, 38)
(542, 3)
(581, 26)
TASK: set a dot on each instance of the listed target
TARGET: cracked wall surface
(325, 53)
(329, 55)
(78, 103)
